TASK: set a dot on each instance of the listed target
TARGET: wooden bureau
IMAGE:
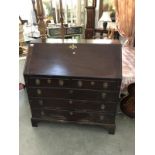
(74, 81)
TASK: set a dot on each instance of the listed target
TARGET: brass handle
(104, 95)
(72, 46)
(71, 91)
(39, 92)
(105, 85)
(41, 102)
(71, 113)
(49, 81)
(102, 106)
(80, 83)
(61, 82)
(42, 113)
(37, 81)
(101, 117)
(70, 101)
(92, 83)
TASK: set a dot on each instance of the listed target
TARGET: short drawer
(48, 82)
(48, 92)
(96, 84)
(69, 104)
(95, 95)
(73, 94)
(64, 115)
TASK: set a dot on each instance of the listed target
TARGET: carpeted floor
(69, 139)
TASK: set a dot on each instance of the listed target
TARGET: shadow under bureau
(74, 81)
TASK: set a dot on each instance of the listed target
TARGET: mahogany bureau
(74, 81)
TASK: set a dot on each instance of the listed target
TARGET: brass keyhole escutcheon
(105, 85)
(102, 106)
(92, 83)
(39, 92)
(79, 83)
(61, 82)
(37, 81)
(49, 81)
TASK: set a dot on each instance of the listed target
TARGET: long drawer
(69, 104)
(74, 83)
(64, 115)
(79, 94)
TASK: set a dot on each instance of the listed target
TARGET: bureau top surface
(86, 58)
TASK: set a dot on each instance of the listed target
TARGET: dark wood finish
(90, 26)
(65, 62)
(34, 122)
(72, 104)
(108, 84)
(128, 102)
(74, 82)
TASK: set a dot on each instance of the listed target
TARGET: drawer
(73, 94)
(95, 95)
(48, 82)
(48, 92)
(82, 105)
(96, 84)
(113, 85)
(64, 115)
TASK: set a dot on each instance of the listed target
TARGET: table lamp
(105, 18)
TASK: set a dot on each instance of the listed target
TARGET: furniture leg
(34, 123)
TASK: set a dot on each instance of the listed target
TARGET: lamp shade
(105, 17)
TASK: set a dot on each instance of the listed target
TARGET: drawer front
(51, 93)
(96, 84)
(73, 94)
(95, 95)
(63, 115)
(49, 82)
(82, 105)
(74, 83)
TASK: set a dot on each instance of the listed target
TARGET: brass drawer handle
(71, 91)
(37, 82)
(102, 106)
(70, 101)
(71, 113)
(42, 113)
(104, 95)
(92, 83)
(79, 83)
(101, 117)
(105, 85)
(41, 102)
(61, 82)
(49, 81)
(39, 92)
